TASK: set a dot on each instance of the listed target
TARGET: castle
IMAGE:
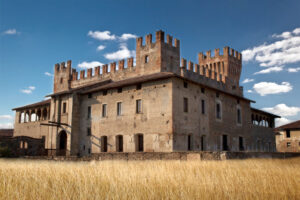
(162, 104)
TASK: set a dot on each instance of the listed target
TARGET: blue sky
(34, 35)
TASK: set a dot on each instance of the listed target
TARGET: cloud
(100, 47)
(248, 80)
(281, 121)
(127, 36)
(265, 88)
(293, 70)
(48, 74)
(285, 50)
(283, 110)
(269, 70)
(249, 91)
(28, 90)
(86, 65)
(104, 35)
(6, 117)
(122, 53)
(10, 32)
(6, 125)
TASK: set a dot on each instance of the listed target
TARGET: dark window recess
(119, 108)
(138, 106)
(61, 80)
(140, 143)
(288, 144)
(217, 94)
(104, 143)
(139, 86)
(203, 143)
(104, 110)
(203, 106)
(238, 101)
(64, 107)
(239, 120)
(218, 111)
(89, 151)
(288, 133)
(89, 132)
(202, 90)
(104, 92)
(185, 84)
(185, 105)
(83, 147)
(90, 95)
(189, 144)
(89, 112)
(119, 143)
(241, 144)
(225, 143)
(146, 59)
(119, 90)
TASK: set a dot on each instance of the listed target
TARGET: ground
(231, 179)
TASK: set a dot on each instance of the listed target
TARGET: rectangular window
(104, 92)
(104, 110)
(218, 110)
(139, 143)
(202, 90)
(288, 133)
(138, 106)
(89, 112)
(241, 144)
(104, 143)
(90, 95)
(189, 145)
(146, 59)
(225, 143)
(203, 106)
(138, 86)
(119, 143)
(185, 84)
(185, 105)
(239, 120)
(64, 107)
(119, 108)
(89, 132)
(288, 144)
(119, 90)
(217, 94)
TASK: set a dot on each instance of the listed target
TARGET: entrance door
(225, 143)
(203, 143)
(62, 143)
(140, 143)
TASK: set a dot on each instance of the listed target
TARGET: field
(234, 179)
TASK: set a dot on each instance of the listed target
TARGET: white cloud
(28, 90)
(10, 32)
(248, 80)
(250, 91)
(48, 74)
(6, 117)
(101, 35)
(6, 125)
(293, 70)
(283, 51)
(122, 53)
(269, 70)
(127, 36)
(265, 88)
(100, 47)
(87, 65)
(281, 121)
(283, 110)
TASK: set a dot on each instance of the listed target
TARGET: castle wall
(294, 141)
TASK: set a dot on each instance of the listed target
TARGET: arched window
(45, 114)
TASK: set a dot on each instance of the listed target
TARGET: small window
(104, 143)
(119, 108)
(218, 111)
(203, 106)
(146, 59)
(64, 107)
(288, 144)
(119, 90)
(139, 86)
(217, 94)
(202, 90)
(83, 147)
(185, 84)
(89, 150)
(61, 80)
(90, 95)
(238, 101)
(185, 105)
(89, 112)
(239, 120)
(189, 144)
(89, 132)
(241, 144)
(138, 106)
(288, 133)
(104, 110)
(104, 92)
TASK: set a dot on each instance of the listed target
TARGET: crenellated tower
(62, 77)
(229, 65)
(158, 56)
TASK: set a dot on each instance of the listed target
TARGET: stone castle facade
(162, 104)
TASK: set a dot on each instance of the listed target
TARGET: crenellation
(62, 66)
(183, 63)
(82, 74)
(226, 51)
(160, 36)
(176, 43)
(217, 52)
(208, 54)
(97, 71)
(169, 40)
(232, 52)
(69, 64)
(121, 64)
(129, 62)
(149, 39)
(74, 76)
(113, 68)
(191, 66)
(89, 72)
(197, 68)
(56, 67)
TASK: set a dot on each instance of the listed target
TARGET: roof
(6, 132)
(41, 103)
(265, 113)
(293, 125)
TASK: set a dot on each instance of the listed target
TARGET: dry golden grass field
(234, 179)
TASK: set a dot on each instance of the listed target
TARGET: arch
(44, 114)
(26, 118)
(33, 116)
(38, 114)
(62, 143)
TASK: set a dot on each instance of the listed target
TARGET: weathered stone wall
(288, 144)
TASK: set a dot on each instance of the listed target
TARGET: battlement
(102, 70)
(227, 52)
(62, 66)
(159, 38)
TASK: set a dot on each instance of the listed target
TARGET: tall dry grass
(236, 179)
